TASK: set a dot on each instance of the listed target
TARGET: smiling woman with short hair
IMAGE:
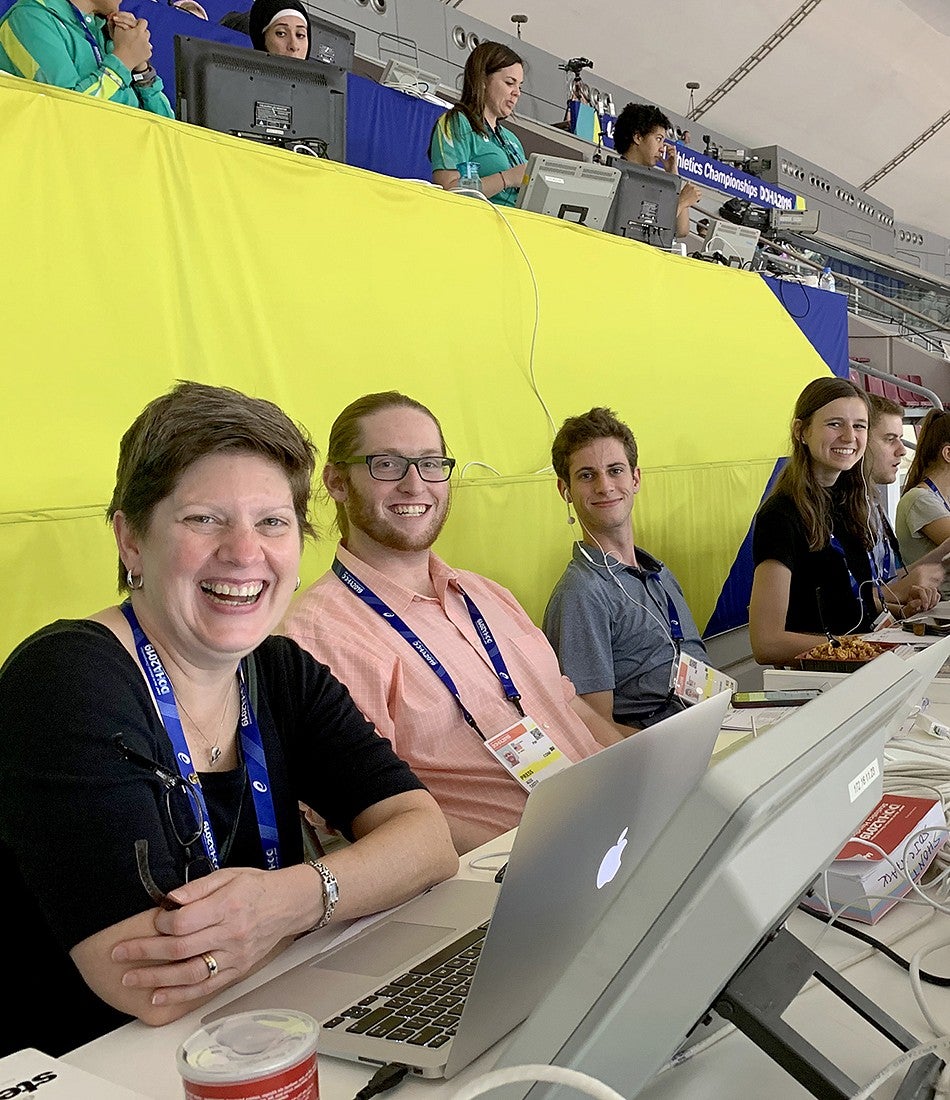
(153, 755)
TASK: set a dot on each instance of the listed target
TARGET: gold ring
(211, 963)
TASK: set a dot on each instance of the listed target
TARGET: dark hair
(813, 501)
(883, 406)
(263, 11)
(345, 434)
(637, 120)
(578, 431)
(485, 59)
(236, 21)
(933, 436)
(190, 422)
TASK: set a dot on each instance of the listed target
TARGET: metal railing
(912, 387)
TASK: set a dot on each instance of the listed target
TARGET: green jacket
(50, 41)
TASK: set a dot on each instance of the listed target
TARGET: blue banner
(723, 177)
(697, 167)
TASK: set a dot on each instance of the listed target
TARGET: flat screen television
(720, 880)
(249, 93)
(644, 207)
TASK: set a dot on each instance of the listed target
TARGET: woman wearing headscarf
(280, 27)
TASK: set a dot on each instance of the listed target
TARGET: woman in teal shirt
(472, 130)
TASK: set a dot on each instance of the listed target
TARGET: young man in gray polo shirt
(617, 619)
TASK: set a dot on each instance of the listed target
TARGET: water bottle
(827, 280)
(468, 176)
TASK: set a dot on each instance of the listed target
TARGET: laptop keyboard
(421, 1007)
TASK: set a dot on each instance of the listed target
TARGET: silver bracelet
(331, 891)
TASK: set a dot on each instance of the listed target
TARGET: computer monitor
(644, 207)
(572, 190)
(331, 43)
(722, 877)
(737, 243)
(249, 93)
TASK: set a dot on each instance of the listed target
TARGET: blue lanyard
(251, 745)
(933, 488)
(672, 615)
(90, 37)
(505, 145)
(891, 559)
(676, 630)
(855, 587)
(485, 636)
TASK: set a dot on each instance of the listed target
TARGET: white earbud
(567, 498)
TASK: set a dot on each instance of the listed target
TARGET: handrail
(893, 303)
(865, 368)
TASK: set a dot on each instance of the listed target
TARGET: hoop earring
(130, 580)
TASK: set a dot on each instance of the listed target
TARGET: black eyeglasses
(395, 467)
(183, 810)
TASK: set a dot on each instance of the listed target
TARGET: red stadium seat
(909, 399)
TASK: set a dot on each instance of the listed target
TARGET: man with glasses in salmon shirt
(444, 662)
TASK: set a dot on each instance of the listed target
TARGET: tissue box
(861, 879)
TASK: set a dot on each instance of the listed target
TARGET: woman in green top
(472, 130)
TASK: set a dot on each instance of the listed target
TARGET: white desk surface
(143, 1058)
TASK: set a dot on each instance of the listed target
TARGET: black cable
(888, 952)
(782, 284)
(385, 1078)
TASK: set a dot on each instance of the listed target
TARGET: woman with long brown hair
(922, 522)
(812, 536)
(472, 131)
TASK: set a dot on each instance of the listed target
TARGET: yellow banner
(139, 250)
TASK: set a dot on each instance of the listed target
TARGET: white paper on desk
(940, 611)
(53, 1079)
(353, 929)
(740, 718)
(901, 637)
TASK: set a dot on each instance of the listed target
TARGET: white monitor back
(725, 872)
(572, 190)
(733, 241)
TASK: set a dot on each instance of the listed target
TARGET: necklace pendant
(215, 755)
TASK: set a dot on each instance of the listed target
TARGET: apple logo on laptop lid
(610, 864)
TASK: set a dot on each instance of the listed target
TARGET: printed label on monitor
(862, 781)
(273, 116)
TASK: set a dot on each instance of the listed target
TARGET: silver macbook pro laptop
(434, 984)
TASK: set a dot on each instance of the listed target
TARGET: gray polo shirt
(609, 638)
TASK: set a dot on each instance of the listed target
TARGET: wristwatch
(331, 892)
(146, 78)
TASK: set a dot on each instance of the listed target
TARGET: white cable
(921, 1051)
(917, 986)
(476, 863)
(613, 576)
(537, 300)
(484, 465)
(559, 1075)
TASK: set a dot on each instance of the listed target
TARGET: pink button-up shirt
(397, 691)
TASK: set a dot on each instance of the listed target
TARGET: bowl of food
(851, 653)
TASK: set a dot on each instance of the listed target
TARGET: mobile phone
(792, 698)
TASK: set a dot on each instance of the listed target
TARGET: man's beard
(387, 533)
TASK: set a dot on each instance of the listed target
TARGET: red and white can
(267, 1055)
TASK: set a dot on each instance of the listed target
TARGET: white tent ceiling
(850, 87)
